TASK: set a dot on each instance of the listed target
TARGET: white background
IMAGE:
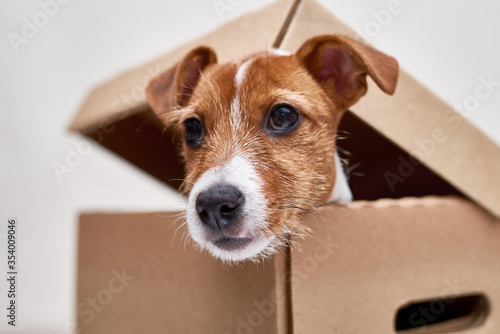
(445, 44)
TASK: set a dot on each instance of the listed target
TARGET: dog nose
(219, 206)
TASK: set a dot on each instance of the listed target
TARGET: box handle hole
(442, 315)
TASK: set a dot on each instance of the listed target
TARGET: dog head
(257, 136)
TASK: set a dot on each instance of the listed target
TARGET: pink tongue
(242, 234)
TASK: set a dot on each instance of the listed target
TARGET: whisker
(166, 214)
(344, 152)
(342, 134)
(186, 238)
(315, 214)
(164, 130)
(317, 202)
(267, 69)
(182, 180)
(300, 197)
(141, 125)
(350, 170)
(177, 229)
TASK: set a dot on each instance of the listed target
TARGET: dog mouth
(236, 249)
(231, 244)
(227, 211)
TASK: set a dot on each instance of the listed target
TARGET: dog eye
(194, 132)
(283, 119)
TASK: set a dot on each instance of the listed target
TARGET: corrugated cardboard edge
(283, 288)
(416, 119)
(125, 96)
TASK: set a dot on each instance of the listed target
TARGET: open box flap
(124, 95)
(414, 118)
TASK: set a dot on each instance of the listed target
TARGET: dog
(258, 137)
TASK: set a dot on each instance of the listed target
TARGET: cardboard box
(171, 287)
(363, 265)
(428, 254)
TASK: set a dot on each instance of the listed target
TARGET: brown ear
(340, 66)
(173, 88)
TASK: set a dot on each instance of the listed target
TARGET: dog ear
(340, 66)
(174, 87)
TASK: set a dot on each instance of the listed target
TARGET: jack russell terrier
(258, 135)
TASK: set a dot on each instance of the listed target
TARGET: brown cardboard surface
(416, 119)
(384, 254)
(171, 288)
